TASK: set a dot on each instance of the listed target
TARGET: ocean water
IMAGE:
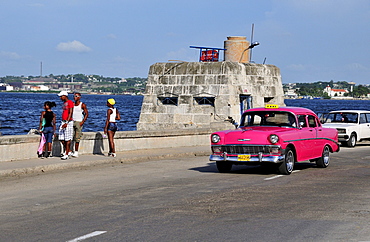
(320, 106)
(20, 112)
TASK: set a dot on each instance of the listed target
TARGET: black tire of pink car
(324, 160)
(224, 167)
(287, 166)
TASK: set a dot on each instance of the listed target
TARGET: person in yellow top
(111, 125)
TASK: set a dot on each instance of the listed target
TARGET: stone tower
(187, 95)
(237, 49)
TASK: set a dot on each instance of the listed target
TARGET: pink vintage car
(274, 135)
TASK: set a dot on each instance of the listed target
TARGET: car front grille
(248, 149)
(341, 131)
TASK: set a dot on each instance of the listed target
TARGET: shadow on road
(251, 169)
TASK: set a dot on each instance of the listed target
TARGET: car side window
(311, 121)
(302, 121)
(362, 118)
(368, 117)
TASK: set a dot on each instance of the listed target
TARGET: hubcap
(353, 141)
(290, 161)
(326, 156)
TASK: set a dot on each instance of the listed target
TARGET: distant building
(16, 85)
(42, 88)
(35, 88)
(6, 87)
(290, 93)
(335, 92)
(40, 80)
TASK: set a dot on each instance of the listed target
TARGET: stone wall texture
(170, 99)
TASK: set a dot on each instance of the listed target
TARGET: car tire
(324, 160)
(352, 140)
(224, 167)
(287, 166)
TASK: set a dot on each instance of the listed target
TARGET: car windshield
(268, 118)
(342, 118)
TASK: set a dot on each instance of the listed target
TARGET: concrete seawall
(20, 147)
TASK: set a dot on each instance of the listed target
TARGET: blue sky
(309, 40)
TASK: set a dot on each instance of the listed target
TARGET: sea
(20, 112)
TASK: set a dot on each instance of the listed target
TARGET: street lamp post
(254, 44)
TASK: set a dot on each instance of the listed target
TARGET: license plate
(244, 157)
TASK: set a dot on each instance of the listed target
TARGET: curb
(65, 166)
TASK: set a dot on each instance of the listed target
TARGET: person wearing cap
(66, 127)
(111, 125)
(80, 114)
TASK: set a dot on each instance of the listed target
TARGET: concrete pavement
(37, 165)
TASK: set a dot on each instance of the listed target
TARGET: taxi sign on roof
(271, 106)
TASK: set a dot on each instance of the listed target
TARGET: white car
(352, 125)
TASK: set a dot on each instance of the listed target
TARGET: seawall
(20, 147)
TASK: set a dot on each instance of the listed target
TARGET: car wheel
(286, 167)
(223, 167)
(352, 141)
(324, 160)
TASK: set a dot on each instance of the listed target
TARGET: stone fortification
(187, 95)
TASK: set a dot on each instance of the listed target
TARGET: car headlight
(274, 138)
(215, 138)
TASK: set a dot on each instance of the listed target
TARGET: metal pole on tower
(41, 69)
(250, 51)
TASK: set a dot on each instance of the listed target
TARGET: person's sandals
(112, 154)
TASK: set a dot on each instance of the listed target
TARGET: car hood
(339, 125)
(254, 135)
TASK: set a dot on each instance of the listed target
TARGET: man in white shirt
(80, 114)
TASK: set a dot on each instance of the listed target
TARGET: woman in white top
(111, 125)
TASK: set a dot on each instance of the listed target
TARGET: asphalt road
(186, 199)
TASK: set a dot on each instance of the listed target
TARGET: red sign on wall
(209, 55)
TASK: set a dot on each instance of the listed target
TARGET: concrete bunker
(187, 95)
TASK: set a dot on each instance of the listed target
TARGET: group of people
(74, 115)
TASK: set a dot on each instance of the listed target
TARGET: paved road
(186, 199)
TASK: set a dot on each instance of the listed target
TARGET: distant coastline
(332, 98)
(82, 92)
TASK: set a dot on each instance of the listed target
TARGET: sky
(309, 40)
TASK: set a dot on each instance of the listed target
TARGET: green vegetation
(360, 91)
(316, 89)
(89, 83)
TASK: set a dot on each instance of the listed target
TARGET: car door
(307, 139)
(316, 129)
(364, 125)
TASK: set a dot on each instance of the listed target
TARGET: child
(111, 125)
(47, 127)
